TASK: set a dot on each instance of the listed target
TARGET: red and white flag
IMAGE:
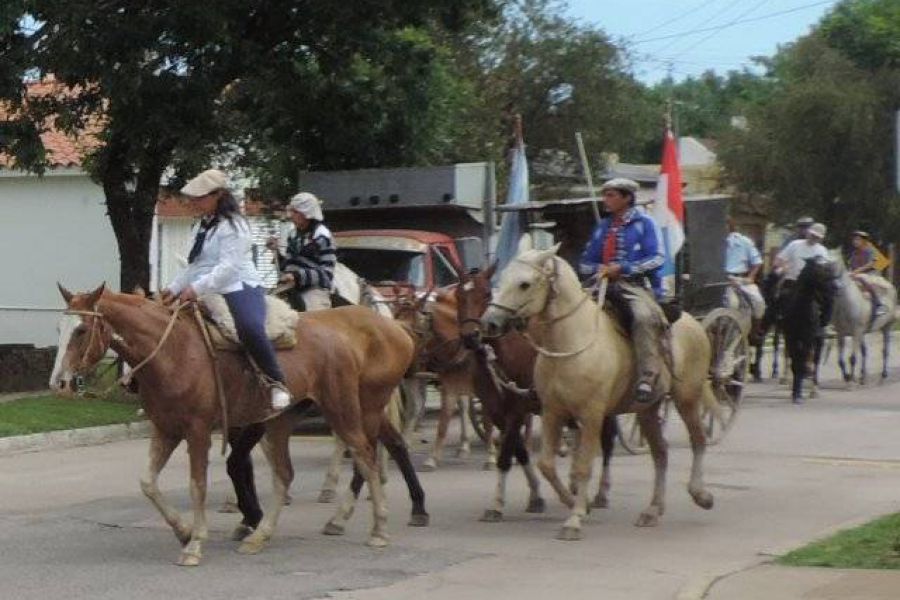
(668, 209)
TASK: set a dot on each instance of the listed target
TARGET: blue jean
(248, 308)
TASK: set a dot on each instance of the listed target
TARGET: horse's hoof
(240, 532)
(813, 394)
(288, 499)
(228, 507)
(463, 452)
(600, 501)
(429, 465)
(326, 497)
(797, 399)
(569, 534)
(491, 516)
(419, 520)
(488, 465)
(703, 499)
(536, 505)
(184, 535)
(332, 528)
(647, 519)
(251, 546)
(377, 541)
(188, 559)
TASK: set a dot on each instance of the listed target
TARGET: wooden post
(586, 167)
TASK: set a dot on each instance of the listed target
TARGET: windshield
(385, 265)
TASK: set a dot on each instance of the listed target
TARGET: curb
(71, 438)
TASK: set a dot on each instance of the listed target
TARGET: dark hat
(862, 234)
(804, 222)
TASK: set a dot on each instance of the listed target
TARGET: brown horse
(441, 351)
(512, 399)
(348, 361)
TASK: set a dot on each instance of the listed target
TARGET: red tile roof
(62, 150)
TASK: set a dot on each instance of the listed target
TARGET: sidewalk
(771, 582)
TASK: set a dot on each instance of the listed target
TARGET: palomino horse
(585, 371)
(853, 317)
(510, 399)
(348, 362)
(803, 306)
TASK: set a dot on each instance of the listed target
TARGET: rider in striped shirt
(310, 257)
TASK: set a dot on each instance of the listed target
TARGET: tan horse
(585, 371)
(348, 361)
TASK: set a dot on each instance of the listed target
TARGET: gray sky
(733, 30)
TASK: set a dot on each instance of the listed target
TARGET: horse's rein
(125, 380)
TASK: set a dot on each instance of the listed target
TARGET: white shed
(52, 228)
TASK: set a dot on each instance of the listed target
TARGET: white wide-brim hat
(205, 183)
(817, 230)
(308, 205)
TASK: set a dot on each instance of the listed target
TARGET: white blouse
(225, 262)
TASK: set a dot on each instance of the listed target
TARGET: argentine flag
(668, 209)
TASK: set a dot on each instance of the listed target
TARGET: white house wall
(172, 242)
(52, 228)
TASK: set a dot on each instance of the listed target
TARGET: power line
(686, 13)
(726, 25)
(718, 27)
(704, 22)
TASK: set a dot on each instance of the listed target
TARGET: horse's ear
(544, 256)
(66, 294)
(94, 296)
(139, 291)
(526, 243)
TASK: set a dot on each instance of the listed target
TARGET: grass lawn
(49, 413)
(875, 545)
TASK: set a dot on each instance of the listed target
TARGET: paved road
(75, 525)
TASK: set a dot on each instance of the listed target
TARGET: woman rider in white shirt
(220, 263)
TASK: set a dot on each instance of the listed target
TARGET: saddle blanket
(281, 323)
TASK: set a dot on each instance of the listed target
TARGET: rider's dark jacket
(637, 249)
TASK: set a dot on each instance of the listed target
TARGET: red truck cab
(422, 259)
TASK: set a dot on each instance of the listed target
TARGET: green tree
(160, 77)
(820, 145)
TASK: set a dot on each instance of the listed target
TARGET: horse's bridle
(98, 318)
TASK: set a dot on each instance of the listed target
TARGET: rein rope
(550, 278)
(125, 380)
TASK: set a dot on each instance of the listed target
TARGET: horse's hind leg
(690, 414)
(363, 452)
(198, 441)
(885, 350)
(465, 446)
(393, 442)
(841, 342)
(582, 461)
(440, 437)
(161, 448)
(652, 430)
(864, 354)
(333, 474)
(240, 470)
(608, 435)
(278, 432)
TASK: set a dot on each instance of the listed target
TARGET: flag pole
(586, 168)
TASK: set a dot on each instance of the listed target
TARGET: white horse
(585, 370)
(852, 317)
